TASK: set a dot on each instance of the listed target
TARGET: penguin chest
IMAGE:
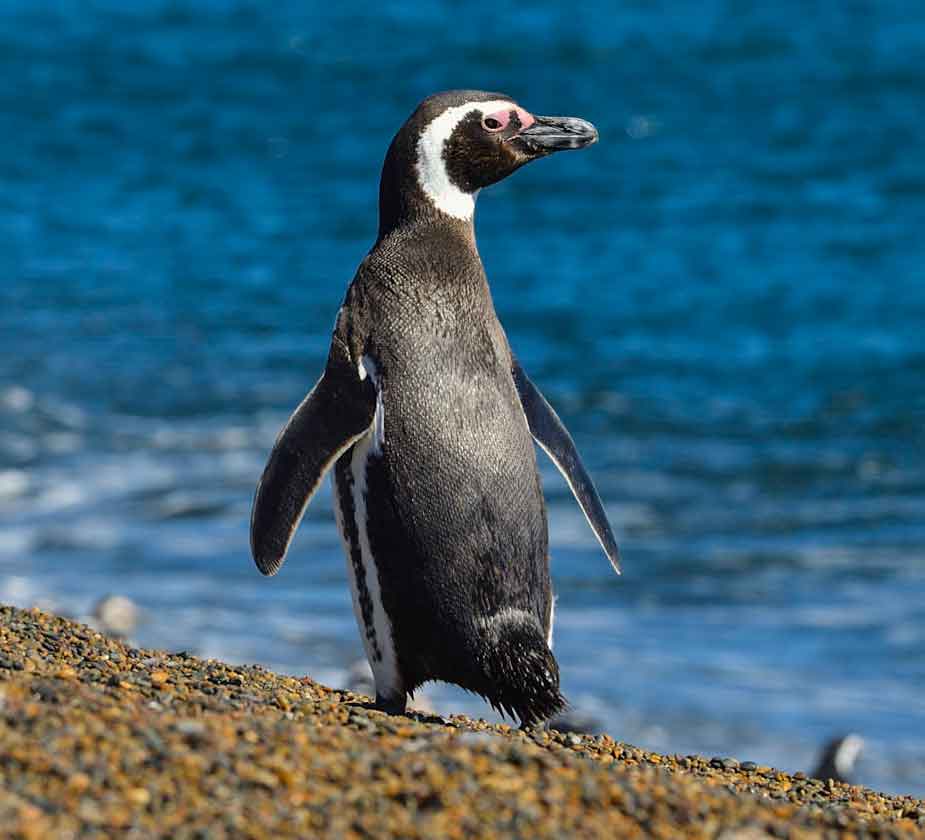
(443, 521)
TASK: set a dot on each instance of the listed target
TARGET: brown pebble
(138, 796)
(244, 752)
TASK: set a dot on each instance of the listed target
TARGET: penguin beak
(554, 134)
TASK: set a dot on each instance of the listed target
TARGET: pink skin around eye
(504, 117)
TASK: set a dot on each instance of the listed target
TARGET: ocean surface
(724, 299)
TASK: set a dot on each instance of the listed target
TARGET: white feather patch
(431, 167)
(385, 665)
(552, 618)
(385, 669)
(368, 368)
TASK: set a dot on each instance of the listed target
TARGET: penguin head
(460, 141)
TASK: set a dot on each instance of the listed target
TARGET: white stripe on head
(431, 167)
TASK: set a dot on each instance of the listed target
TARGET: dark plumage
(429, 418)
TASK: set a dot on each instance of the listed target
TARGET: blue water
(724, 299)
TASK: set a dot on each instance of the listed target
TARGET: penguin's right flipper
(550, 433)
(337, 412)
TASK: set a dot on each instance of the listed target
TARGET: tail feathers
(521, 674)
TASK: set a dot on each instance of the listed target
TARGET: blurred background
(724, 299)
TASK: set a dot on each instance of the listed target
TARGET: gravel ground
(98, 739)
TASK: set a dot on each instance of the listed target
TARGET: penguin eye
(496, 121)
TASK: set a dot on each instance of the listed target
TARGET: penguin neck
(427, 224)
(410, 197)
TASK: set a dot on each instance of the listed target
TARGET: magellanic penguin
(839, 759)
(429, 421)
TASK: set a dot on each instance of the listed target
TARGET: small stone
(78, 782)
(90, 812)
(159, 677)
(116, 615)
(192, 730)
(470, 739)
(138, 796)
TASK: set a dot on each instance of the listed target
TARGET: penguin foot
(391, 705)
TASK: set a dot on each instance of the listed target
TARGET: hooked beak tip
(556, 134)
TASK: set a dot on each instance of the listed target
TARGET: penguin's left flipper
(336, 413)
(550, 433)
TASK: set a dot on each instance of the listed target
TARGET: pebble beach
(98, 738)
(722, 299)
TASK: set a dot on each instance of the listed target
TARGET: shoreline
(97, 736)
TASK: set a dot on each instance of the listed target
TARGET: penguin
(427, 423)
(838, 759)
